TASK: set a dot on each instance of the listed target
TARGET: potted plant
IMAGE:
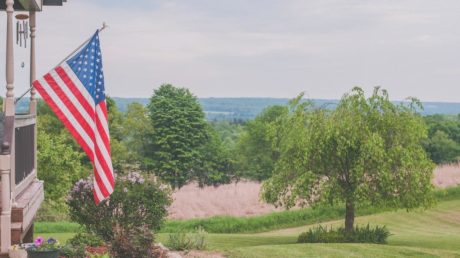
(44, 249)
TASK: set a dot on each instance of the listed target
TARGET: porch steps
(23, 212)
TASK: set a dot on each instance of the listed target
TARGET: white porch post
(5, 160)
(5, 218)
(33, 99)
(9, 106)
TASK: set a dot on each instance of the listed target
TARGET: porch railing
(24, 152)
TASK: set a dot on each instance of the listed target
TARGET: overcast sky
(259, 48)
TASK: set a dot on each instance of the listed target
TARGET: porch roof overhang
(32, 5)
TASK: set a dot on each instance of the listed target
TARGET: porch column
(33, 99)
(9, 101)
(5, 218)
(5, 158)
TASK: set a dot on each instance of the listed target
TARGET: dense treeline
(171, 138)
(443, 145)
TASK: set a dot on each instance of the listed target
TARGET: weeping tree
(367, 151)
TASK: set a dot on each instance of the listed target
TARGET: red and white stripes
(86, 121)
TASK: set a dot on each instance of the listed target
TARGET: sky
(258, 48)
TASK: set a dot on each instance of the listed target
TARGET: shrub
(126, 221)
(70, 251)
(188, 241)
(76, 246)
(51, 210)
(320, 234)
(85, 239)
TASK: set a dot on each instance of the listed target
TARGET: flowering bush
(41, 245)
(126, 221)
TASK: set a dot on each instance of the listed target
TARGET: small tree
(366, 151)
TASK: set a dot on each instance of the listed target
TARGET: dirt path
(242, 199)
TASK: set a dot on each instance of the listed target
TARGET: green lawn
(431, 233)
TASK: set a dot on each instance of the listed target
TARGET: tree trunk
(349, 216)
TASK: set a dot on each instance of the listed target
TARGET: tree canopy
(181, 141)
(256, 155)
(366, 151)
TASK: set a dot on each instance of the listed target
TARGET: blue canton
(87, 65)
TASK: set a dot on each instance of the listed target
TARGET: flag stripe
(98, 196)
(85, 101)
(85, 122)
(62, 115)
(104, 133)
(87, 114)
(99, 182)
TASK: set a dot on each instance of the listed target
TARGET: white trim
(19, 188)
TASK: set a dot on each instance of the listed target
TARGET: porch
(26, 190)
(21, 191)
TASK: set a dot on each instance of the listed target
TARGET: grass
(336, 250)
(430, 233)
(52, 227)
(255, 224)
(419, 233)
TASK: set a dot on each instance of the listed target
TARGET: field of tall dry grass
(242, 199)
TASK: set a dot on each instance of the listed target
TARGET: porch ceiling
(26, 5)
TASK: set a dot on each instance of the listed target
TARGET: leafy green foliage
(182, 145)
(215, 167)
(86, 239)
(70, 251)
(443, 143)
(366, 151)
(59, 165)
(256, 154)
(442, 149)
(229, 133)
(368, 234)
(180, 131)
(137, 129)
(183, 241)
(127, 221)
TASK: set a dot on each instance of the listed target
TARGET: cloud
(274, 48)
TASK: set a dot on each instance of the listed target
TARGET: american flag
(75, 92)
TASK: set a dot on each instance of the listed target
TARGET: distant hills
(241, 109)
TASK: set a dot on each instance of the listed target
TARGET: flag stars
(87, 65)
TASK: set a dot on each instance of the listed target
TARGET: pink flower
(38, 241)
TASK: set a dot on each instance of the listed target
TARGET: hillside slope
(430, 233)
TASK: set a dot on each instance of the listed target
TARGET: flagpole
(104, 26)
